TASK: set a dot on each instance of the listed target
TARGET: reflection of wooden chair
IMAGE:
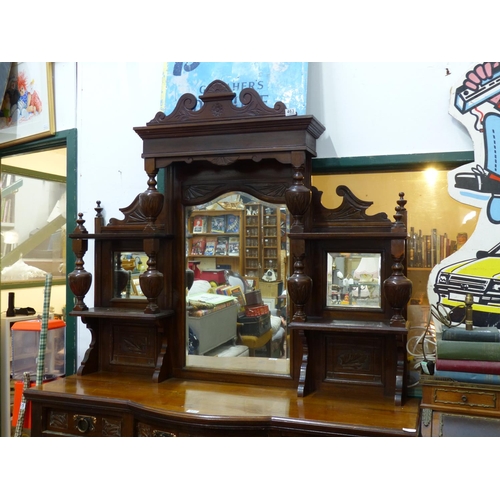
(235, 279)
(253, 342)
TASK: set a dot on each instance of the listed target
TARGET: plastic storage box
(25, 344)
(215, 328)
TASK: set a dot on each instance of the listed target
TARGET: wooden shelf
(114, 312)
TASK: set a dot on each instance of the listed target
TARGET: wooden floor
(373, 415)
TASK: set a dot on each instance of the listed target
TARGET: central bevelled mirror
(237, 259)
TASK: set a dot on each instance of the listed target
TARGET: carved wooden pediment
(351, 211)
(218, 104)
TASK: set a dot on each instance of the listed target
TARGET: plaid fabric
(43, 333)
(22, 409)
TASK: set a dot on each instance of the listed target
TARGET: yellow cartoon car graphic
(480, 277)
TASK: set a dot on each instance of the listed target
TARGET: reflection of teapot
(129, 262)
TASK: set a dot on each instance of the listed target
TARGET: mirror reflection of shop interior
(353, 280)
(33, 243)
(33, 217)
(236, 250)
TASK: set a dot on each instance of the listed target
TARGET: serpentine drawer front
(83, 423)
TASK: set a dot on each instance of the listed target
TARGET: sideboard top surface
(222, 403)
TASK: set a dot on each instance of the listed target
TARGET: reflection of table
(346, 294)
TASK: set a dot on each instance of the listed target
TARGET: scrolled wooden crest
(218, 103)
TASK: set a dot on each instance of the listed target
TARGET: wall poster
(274, 81)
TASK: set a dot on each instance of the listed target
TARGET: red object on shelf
(216, 275)
(254, 311)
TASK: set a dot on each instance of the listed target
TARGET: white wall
(65, 94)
(368, 109)
(113, 98)
(372, 109)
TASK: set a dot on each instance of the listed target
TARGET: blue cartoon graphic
(475, 268)
(482, 86)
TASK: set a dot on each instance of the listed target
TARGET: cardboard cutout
(475, 267)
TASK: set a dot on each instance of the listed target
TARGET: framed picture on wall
(136, 287)
(27, 109)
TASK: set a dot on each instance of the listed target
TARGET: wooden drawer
(144, 429)
(465, 398)
(84, 422)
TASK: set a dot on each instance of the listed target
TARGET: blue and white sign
(274, 81)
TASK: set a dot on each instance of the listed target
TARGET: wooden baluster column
(151, 204)
(80, 279)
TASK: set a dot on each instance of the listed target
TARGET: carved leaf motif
(193, 192)
(133, 214)
(354, 360)
(111, 428)
(144, 430)
(223, 160)
(58, 420)
(135, 344)
(209, 191)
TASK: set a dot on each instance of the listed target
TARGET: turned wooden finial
(401, 215)
(98, 209)
(80, 228)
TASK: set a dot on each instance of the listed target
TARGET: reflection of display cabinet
(253, 267)
(262, 240)
(271, 240)
(216, 237)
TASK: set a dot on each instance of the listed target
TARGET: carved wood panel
(354, 357)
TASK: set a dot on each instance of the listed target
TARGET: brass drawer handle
(84, 423)
(464, 398)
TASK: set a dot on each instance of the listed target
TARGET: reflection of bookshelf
(252, 264)
(271, 239)
(424, 252)
(216, 235)
(427, 250)
(262, 240)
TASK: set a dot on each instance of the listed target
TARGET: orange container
(18, 396)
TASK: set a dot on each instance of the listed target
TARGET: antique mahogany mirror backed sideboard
(229, 300)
